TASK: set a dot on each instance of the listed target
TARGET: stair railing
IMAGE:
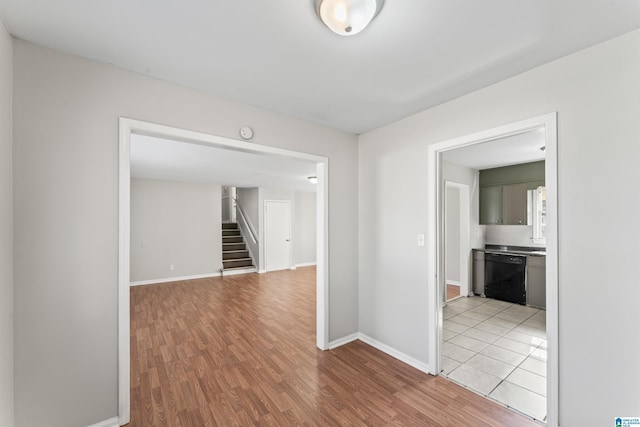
(247, 222)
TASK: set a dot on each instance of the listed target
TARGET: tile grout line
(509, 330)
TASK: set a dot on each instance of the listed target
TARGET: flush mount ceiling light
(347, 17)
(313, 179)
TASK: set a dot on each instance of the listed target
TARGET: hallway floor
(241, 351)
(498, 349)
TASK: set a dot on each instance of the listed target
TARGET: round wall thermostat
(246, 132)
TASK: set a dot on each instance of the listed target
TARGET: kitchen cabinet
(478, 272)
(491, 204)
(503, 192)
(514, 204)
(503, 204)
(537, 281)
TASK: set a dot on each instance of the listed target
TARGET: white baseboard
(344, 340)
(111, 422)
(174, 279)
(421, 366)
(306, 264)
(453, 282)
(262, 271)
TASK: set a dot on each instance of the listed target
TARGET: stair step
(226, 232)
(240, 262)
(232, 239)
(233, 247)
(235, 254)
(229, 225)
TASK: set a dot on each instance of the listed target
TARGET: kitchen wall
(6, 226)
(65, 126)
(304, 244)
(596, 94)
(513, 235)
(174, 224)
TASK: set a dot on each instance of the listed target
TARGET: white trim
(111, 422)
(434, 200)
(128, 126)
(344, 340)
(421, 366)
(306, 264)
(124, 278)
(322, 251)
(174, 279)
(552, 308)
(453, 282)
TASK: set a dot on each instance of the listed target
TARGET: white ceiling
(513, 150)
(276, 54)
(158, 158)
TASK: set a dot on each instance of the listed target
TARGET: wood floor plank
(240, 351)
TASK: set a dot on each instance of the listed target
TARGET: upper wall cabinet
(503, 192)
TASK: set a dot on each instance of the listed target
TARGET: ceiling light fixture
(313, 179)
(347, 17)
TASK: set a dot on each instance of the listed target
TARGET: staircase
(235, 255)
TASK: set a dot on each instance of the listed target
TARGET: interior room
(494, 337)
(376, 97)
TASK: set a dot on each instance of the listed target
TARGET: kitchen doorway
(547, 124)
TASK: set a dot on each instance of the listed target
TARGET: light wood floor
(240, 351)
(453, 291)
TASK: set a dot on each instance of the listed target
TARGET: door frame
(128, 126)
(548, 122)
(288, 202)
(465, 250)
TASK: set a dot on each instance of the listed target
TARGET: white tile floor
(498, 349)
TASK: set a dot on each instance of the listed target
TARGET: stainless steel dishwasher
(504, 277)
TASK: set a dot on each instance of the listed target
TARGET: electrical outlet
(171, 267)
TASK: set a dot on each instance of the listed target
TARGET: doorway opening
(546, 125)
(456, 241)
(129, 127)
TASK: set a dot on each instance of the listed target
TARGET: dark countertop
(514, 250)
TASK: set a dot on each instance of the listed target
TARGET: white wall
(249, 198)
(66, 112)
(226, 201)
(304, 243)
(6, 227)
(174, 224)
(514, 235)
(596, 93)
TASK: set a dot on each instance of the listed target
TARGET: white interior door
(277, 233)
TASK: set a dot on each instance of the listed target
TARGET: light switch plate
(421, 240)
